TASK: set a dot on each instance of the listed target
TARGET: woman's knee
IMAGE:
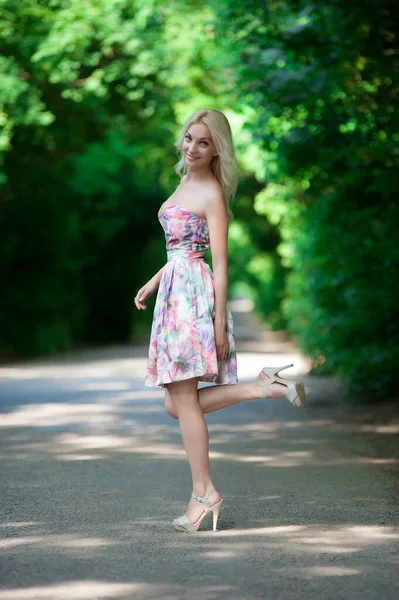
(169, 406)
(180, 396)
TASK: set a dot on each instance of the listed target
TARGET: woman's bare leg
(215, 397)
(194, 432)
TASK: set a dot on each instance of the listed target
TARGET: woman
(192, 332)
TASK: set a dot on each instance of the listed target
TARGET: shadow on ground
(93, 471)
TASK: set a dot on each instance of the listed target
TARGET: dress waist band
(179, 254)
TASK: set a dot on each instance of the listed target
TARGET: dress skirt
(182, 342)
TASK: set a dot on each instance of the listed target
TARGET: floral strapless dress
(182, 343)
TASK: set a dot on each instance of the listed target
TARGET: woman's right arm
(148, 290)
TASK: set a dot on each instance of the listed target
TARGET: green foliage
(84, 119)
(89, 96)
(90, 93)
(258, 273)
(322, 82)
(254, 266)
(340, 299)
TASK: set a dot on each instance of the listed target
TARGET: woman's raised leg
(215, 397)
(194, 432)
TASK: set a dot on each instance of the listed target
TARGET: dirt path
(93, 471)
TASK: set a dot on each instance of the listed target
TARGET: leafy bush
(84, 119)
(340, 300)
(322, 81)
(257, 274)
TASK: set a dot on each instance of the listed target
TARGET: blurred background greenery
(92, 96)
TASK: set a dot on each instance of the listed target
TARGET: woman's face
(198, 147)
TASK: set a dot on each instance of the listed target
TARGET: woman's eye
(189, 139)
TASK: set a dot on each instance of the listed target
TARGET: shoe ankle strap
(203, 499)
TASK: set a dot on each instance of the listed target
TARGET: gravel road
(93, 471)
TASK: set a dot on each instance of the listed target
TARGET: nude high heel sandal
(295, 389)
(184, 523)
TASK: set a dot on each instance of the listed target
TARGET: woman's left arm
(216, 215)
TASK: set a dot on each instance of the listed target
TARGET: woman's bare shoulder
(214, 191)
(214, 201)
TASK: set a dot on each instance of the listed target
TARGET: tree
(322, 81)
(84, 118)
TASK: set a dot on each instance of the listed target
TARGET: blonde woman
(192, 336)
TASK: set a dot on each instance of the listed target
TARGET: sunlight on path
(93, 470)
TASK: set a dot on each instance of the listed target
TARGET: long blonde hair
(224, 166)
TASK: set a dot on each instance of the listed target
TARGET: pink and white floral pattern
(182, 343)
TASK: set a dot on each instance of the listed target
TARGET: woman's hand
(145, 292)
(221, 341)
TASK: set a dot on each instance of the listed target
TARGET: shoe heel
(215, 511)
(300, 400)
(296, 393)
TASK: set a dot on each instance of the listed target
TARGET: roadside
(93, 470)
